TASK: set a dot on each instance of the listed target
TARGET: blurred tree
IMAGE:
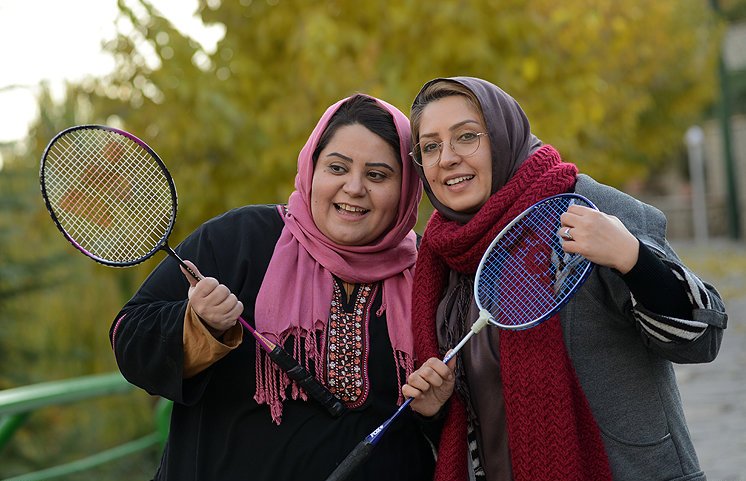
(55, 311)
(27, 268)
(612, 84)
(733, 10)
(19, 273)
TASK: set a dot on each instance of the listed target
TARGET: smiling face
(356, 187)
(462, 183)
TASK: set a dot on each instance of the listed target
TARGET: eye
(466, 137)
(377, 176)
(430, 147)
(337, 168)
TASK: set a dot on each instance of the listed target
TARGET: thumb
(451, 362)
(190, 275)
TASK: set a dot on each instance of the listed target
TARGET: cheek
(486, 171)
(315, 203)
(388, 200)
(394, 208)
(314, 190)
(432, 177)
(319, 191)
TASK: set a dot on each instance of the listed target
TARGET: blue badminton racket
(523, 279)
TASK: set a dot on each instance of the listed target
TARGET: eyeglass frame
(450, 144)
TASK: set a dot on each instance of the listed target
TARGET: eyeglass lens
(464, 143)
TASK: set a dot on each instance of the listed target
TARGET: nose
(354, 186)
(448, 157)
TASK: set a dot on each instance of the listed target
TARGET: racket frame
(588, 267)
(276, 353)
(162, 244)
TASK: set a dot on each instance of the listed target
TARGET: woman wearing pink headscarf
(328, 276)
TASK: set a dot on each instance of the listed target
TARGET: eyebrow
(452, 127)
(367, 164)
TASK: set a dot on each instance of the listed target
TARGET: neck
(349, 288)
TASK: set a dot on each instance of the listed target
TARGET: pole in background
(734, 216)
(694, 139)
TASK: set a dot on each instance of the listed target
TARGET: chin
(464, 207)
(345, 240)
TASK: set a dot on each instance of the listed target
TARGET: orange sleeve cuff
(201, 349)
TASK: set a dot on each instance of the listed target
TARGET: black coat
(218, 432)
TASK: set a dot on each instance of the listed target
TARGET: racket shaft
(264, 343)
(300, 375)
(352, 462)
(478, 325)
(365, 447)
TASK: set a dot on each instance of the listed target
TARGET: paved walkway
(714, 394)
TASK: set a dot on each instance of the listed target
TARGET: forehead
(444, 114)
(359, 143)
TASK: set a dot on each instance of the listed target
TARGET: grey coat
(626, 372)
(624, 367)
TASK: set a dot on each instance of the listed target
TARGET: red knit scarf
(551, 431)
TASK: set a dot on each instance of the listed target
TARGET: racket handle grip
(352, 462)
(314, 388)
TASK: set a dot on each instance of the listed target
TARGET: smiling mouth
(458, 180)
(350, 209)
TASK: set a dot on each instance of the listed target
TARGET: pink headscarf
(295, 296)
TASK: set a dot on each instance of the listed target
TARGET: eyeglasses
(427, 153)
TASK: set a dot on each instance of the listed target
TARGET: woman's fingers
(432, 374)
(214, 302)
(430, 386)
(599, 237)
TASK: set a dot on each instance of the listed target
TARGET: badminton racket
(523, 279)
(113, 199)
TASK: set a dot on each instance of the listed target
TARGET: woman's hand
(599, 237)
(430, 386)
(213, 302)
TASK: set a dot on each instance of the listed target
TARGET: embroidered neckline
(348, 345)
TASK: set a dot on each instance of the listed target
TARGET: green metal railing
(17, 404)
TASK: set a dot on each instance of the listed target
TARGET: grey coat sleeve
(680, 340)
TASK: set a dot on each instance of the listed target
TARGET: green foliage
(732, 10)
(55, 311)
(27, 269)
(612, 84)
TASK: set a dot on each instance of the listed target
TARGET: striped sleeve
(477, 470)
(671, 329)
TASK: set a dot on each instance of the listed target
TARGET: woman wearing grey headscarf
(590, 394)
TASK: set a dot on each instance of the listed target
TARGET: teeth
(459, 179)
(350, 208)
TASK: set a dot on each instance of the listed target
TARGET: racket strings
(108, 193)
(527, 275)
